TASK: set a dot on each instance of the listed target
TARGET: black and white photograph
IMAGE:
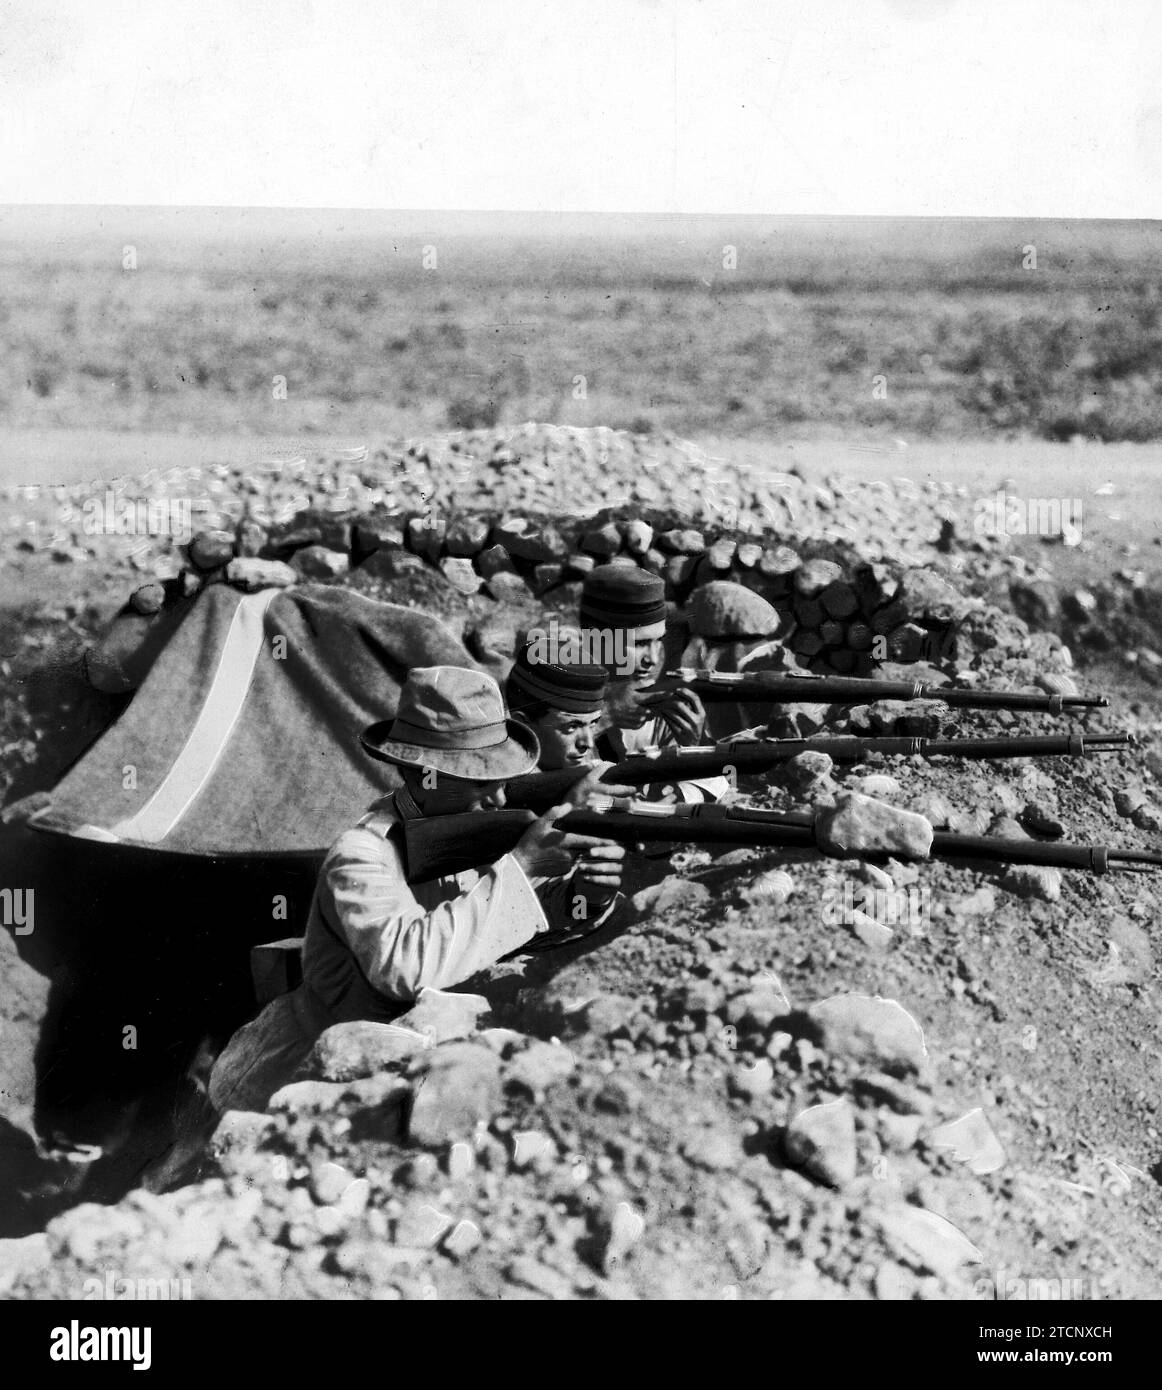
(581, 661)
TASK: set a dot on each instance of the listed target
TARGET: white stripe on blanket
(203, 749)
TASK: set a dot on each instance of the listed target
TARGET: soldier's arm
(400, 945)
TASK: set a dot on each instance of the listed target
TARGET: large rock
(625, 1229)
(347, 1051)
(929, 595)
(578, 566)
(861, 825)
(522, 539)
(251, 574)
(925, 1240)
(457, 1087)
(982, 903)
(508, 588)
(391, 562)
(603, 541)
(547, 575)
(639, 536)
(822, 1140)
(149, 599)
(444, 1015)
(814, 576)
(759, 1007)
(461, 574)
(494, 560)
(875, 1032)
(1127, 800)
(1033, 881)
(603, 1016)
(807, 775)
(779, 563)
(838, 600)
(386, 1094)
(23, 1257)
(720, 556)
(237, 1142)
(210, 550)
(722, 610)
(878, 784)
(971, 1140)
(372, 533)
(540, 1066)
(674, 892)
(772, 887)
(467, 536)
(1056, 683)
(317, 562)
(682, 542)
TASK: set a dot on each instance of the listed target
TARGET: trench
(160, 945)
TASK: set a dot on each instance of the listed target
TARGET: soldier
(374, 940)
(623, 615)
(564, 706)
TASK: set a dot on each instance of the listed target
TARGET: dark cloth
(241, 743)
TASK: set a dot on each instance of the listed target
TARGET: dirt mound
(777, 1076)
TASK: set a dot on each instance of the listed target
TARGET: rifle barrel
(540, 790)
(763, 686)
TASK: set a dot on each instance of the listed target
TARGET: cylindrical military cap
(572, 689)
(617, 597)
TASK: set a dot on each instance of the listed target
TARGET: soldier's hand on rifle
(599, 871)
(682, 711)
(591, 785)
(546, 852)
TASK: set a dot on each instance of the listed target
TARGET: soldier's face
(439, 795)
(644, 663)
(567, 740)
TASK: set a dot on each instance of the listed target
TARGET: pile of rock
(833, 614)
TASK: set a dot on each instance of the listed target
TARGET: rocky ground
(743, 1088)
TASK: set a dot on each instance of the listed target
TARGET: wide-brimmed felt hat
(618, 597)
(453, 721)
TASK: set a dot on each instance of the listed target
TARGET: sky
(1030, 108)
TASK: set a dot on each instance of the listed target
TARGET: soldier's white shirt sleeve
(404, 945)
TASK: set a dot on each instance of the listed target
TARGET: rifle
(439, 845)
(537, 791)
(771, 686)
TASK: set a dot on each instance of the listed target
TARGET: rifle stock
(437, 846)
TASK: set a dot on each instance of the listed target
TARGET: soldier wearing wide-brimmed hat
(373, 939)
